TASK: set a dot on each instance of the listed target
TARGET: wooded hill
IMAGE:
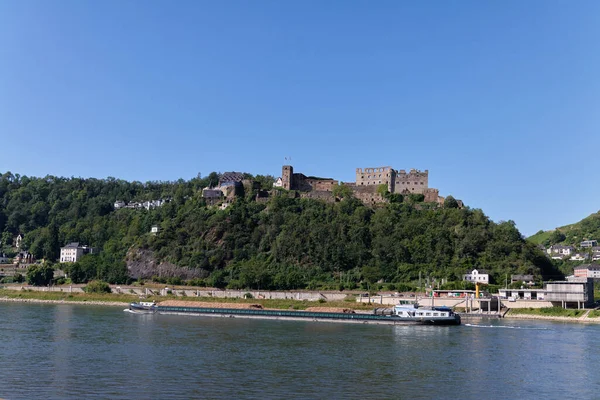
(586, 229)
(285, 243)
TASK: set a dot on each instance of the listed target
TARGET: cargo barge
(418, 316)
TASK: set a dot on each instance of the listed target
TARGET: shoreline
(44, 301)
(6, 299)
(581, 320)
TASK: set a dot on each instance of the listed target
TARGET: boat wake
(506, 327)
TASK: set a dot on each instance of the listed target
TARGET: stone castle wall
(375, 177)
(414, 181)
(365, 187)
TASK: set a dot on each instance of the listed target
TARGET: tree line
(284, 243)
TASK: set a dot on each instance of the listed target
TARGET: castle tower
(287, 171)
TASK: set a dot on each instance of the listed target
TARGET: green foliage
(97, 287)
(557, 236)
(39, 275)
(450, 202)
(383, 190)
(342, 191)
(458, 285)
(586, 229)
(549, 311)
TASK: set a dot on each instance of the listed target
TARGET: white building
(154, 229)
(73, 252)
(477, 276)
(579, 257)
(588, 243)
(561, 250)
(278, 182)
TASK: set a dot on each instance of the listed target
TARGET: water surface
(77, 351)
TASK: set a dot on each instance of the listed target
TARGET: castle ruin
(368, 180)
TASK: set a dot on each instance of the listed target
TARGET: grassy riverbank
(96, 298)
(547, 312)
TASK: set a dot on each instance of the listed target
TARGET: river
(76, 351)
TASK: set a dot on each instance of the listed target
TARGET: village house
(23, 259)
(4, 259)
(527, 279)
(587, 271)
(595, 253)
(562, 251)
(588, 243)
(73, 252)
(579, 257)
(479, 276)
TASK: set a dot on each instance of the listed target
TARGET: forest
(283, 243)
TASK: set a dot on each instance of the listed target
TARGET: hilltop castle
(368, 180)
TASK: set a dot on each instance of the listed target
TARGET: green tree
(557, 237)
(97, 287)
(342, 191)
(39, 275)
(450, 202)
(383, 190)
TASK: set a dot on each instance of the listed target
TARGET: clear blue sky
(499, 100)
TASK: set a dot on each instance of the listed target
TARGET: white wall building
(477, 276)
(73, 252)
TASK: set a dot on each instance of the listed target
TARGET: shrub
(248, 296)
(97, 287)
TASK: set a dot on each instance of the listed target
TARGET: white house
(579, 257)
(154, 229)
(588, 243)
(278, 182)
(561, 250)
(477, 276)
(73, 252)
(18, 241)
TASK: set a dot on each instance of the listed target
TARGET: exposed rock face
(141, 264)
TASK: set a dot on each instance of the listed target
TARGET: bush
(175, 280)
(248, 296)
(97, 287)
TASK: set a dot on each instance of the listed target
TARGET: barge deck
(294, 315)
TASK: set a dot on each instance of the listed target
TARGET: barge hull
(301, 316)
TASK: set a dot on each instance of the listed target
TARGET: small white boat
(143, 307)
(426, 315)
